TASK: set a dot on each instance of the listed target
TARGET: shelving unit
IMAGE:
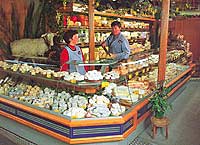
(93, 29)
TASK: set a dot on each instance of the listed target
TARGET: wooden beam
(91, 31)
(163, 40)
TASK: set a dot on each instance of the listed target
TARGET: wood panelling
(190, 28)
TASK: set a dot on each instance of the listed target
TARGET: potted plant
(159, 102)
(159, 108)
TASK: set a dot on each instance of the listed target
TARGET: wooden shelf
(150, 18)
(125, 17)
(105, 29)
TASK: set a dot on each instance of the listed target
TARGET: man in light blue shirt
(118, 45)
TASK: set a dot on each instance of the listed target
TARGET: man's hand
(113, 56)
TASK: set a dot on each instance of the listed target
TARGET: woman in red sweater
(72, 53)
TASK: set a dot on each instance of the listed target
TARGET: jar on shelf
(104, 22)
(81, 18)
(85, 21)
(97, 21)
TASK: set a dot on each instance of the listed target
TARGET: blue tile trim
(95, 131)
(103, 130)
(128, 124)
(143, 110)
(33, 119)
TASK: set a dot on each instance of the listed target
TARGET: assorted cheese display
(171, 56)
(84, 106)
(123, 69)
(105, 103)
(112, 75)
(93, 75)
(51, 74)
(138, 47)
(172, 70)
(74, 106)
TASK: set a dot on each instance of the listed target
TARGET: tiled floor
(184, 128)
(5, 141)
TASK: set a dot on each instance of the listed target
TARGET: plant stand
(159, 122)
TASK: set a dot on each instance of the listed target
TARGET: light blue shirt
(118, 45)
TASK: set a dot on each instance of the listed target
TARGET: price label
(130, 76)
(137, 73)
(104, 84)
(73, 81)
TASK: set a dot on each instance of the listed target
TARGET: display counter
(87, 130)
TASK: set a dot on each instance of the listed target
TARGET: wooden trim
(127, 116)
(135, 123)
(97, 139)
(91, 31)
(97, 122)
(126, 134)
(163, 40)
(192, 65)
(142, 104)
(147, 114)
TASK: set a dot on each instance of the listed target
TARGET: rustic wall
(189, 27)
(19, 19)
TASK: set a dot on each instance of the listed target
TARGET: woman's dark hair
(116, 23)
(68, 35)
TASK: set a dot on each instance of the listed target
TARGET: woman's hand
(103, 44)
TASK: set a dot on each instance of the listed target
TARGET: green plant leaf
(159, 101)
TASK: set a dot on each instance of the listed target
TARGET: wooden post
(91, 31)
(163, 40)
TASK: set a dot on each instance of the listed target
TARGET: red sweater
(64, 57)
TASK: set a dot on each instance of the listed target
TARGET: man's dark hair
(69, 34)
(116, 23)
